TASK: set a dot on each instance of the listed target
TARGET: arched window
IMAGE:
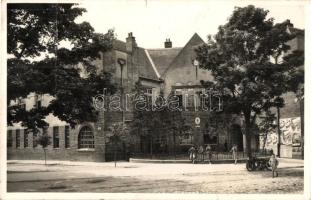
(86, 138)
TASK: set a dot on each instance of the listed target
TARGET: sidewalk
(59, 162)
(132, 161)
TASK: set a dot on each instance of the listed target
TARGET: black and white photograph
(155, 99)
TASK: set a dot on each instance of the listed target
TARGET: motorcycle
(258, 164)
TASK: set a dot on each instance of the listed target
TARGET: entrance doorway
(237, 136)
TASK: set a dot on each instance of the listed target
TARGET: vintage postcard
(155, 99)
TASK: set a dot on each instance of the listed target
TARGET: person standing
(201, 153)
(274, 164)
(234, 151)
(192, 153)
(209, 153)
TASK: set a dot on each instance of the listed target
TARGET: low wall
(53, 154)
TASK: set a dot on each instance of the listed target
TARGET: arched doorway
(237, 136)
(86, 138)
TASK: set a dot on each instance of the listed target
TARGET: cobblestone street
(151, 178)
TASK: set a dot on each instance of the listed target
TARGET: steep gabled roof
(153, 63)
(162, 58)
(187, 52)
(145, 67)
(141, 60)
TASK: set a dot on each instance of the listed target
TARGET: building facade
(167, 70)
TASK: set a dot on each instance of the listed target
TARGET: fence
(215, 155)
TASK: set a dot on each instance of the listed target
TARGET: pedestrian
(192, 153)
(209, 153)
(274, 164)
(201, 152)
(234, 151)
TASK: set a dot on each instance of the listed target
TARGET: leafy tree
(117, 134)
(267, 125)
(175, 124)
(146, 121)
(48, 51)
(158, 117)
(44, 140)
(243, 58)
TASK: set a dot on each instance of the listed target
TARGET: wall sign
(197, 121)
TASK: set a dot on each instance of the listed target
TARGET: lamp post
(122, 62)
(279, 103)
(279, 132)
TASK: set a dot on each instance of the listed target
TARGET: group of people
(197, 154)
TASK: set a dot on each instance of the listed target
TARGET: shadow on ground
(101, 184)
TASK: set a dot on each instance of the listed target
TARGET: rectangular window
(204, 101)
(180, 101)
(10, 139)
(34, 139)
(187, 138)
(148, 95)
(26, 133)
(190, 101)
(67, 139)
(18, 138)
(56, 137)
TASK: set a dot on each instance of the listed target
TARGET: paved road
(150, 177)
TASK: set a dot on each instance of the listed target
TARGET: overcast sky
(152, 21)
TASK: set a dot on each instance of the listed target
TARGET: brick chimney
(130, 43)
(168, 43)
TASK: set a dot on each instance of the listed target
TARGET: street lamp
(122, 63)
(279, 103)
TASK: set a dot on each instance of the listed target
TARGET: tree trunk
(115, 156)
(264, 141)
(248, 134)
(44, 156)
(174, 141)
(279, 133)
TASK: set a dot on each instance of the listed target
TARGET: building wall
(290, 129)
(61, 153)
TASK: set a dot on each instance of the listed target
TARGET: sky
(152, 21)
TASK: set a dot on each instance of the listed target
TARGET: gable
(185, 56)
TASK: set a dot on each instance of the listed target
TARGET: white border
(307, 166)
